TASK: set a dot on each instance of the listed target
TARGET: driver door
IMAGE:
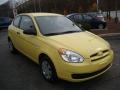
(28, 43)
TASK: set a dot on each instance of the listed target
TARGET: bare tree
(70, 6)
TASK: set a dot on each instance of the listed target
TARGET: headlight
(70, 56)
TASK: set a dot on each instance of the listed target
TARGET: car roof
(41, 14)
(72, 14)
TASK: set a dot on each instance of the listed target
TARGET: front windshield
(55, 25)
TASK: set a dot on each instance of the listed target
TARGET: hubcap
(101, 26)
(46, 70)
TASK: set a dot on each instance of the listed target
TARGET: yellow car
(61, 48)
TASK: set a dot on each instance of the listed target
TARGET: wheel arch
(50, 60)
(44, 55)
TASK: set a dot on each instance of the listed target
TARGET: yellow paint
(83, 43)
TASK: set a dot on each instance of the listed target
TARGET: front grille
(99, 58)
(99, 55)
(105, 51)
(87, 75)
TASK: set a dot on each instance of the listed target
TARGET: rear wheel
(48, 70)
(100, 26)
(11, 47)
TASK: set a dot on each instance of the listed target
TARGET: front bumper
(80, 72)
(87, 75)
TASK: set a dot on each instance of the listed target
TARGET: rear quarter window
(16, 21)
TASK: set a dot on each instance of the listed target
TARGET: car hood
(84, 43)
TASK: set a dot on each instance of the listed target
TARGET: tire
(48, 70)
(100, 26)
(11, 47)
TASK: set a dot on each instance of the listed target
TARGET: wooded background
(62, 6)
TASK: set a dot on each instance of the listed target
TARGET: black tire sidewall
(13, 48)
(54, 75)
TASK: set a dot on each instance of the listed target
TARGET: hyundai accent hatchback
(60, 47)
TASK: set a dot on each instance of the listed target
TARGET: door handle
(18, 33)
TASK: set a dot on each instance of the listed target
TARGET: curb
(109, 34)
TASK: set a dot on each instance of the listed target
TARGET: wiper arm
(58, 33)
(50, 34)
(69, 32)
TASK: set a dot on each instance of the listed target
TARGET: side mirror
(30, 32)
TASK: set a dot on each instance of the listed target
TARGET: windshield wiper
(50, 34)
(69, 32)
(58, 33)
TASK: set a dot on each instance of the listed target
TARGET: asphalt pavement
(17, 72)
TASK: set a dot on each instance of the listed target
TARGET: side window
(86, 17)
(78, 18)
(26, 23)
(16, 21)
(71, 18)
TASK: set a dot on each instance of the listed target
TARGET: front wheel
(48, 70)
